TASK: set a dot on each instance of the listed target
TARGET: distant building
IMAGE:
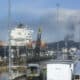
(64, 50)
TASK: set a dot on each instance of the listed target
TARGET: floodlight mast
(57, 14)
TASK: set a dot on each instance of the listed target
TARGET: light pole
(9, 41)
(10, 63)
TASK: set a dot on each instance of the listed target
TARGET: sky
(42, 13)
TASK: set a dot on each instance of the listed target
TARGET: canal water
(4, 76)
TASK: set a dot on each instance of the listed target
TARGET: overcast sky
(36, 13)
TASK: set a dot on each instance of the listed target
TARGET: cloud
(68, 22)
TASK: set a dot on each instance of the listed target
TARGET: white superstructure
(21, 35)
